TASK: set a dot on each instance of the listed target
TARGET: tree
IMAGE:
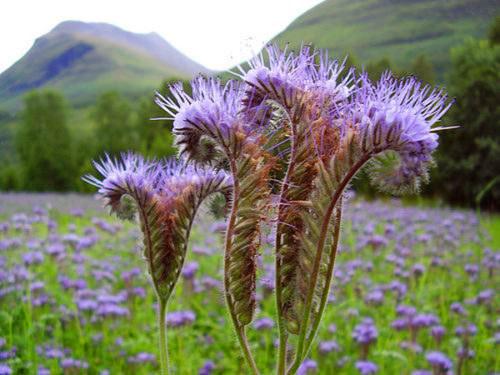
(44, 143)
(422, 69)
(375, 69)
(114, 130)
(469, 157)
(494, 33)
(155, 136)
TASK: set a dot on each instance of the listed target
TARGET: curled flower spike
(166, 195)
(209, 122)
(399, 116)
(121, 177)
(305, 84)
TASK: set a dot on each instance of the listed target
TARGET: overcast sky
(215, 33)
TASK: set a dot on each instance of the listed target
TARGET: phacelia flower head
(398, 118)
(365, 332)
(166, 195)
(366, 368)
(440, 362)
(133, 177)
(208, 120)
(121, 177)
(307, 84)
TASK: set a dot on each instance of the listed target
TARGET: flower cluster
(297, 124)
(306, 84)
(399, 116)
(208, 122)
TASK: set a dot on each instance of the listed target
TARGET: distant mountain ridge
(82, 60)
(150, 43)
(397, 29)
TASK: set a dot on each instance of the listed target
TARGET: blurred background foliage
(51, 154)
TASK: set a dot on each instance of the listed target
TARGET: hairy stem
(329, 277)
(283, 336)
(299, 354)
(238, 329)
(165, 370)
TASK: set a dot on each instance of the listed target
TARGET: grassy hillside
(83, 60)
(397, 29)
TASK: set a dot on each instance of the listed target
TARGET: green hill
(397, 29)
(82, 60)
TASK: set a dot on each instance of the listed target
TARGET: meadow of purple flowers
(414, 293)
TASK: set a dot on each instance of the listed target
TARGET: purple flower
(131, 175)
(439, 361)
(8, 354)
(5, 369)
(485, 296)
(129, 275)
(466, 353)
(74, 363)
(418, 269)
(472, 269)
(366, 368)
(145, 181)
(55, 249)
(326, 347)
(400, 324)
(214, 112)
(139, 292)
(180, 318)
(308, 78)
(414, 347)
(307, 367)
(263, 324)
(142, 358)
(424, 320)
(86, 305)
(375, 298)
(470, 330)
(35, 257)
(109, 309)
(457, 308)
(207, 368)
(405, 310)
(365, 332)
(189, 270)
(399, 115)
(438, 332)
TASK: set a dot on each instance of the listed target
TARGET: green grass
(399, 30)
(107, 343)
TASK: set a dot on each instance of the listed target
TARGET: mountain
(82, 60)
(397, 29)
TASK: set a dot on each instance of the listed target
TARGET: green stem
(282, 352)
(238, 329)
(299, 354)
(329, 277)
(163, 338)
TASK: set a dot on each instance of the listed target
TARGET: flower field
(415, 292)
